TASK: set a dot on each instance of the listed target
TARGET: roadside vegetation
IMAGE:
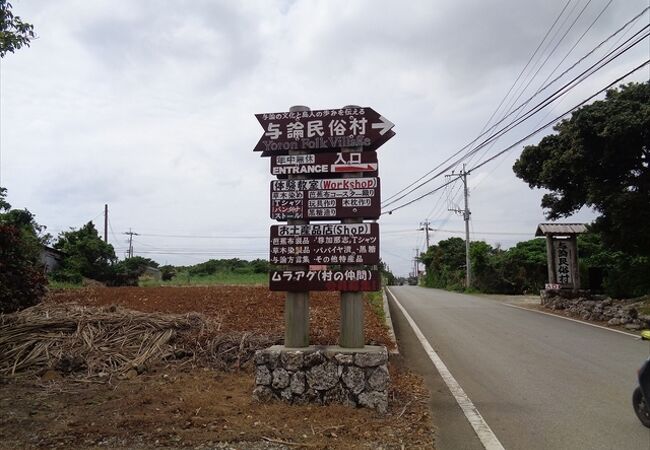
(522, 268)
(185, 278)
(22, 282)
(376, 302)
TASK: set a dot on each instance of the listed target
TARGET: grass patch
(376, 301)
(185, 279)
(52, 284)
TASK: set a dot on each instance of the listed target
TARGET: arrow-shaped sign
(384, 125)
(322, 129)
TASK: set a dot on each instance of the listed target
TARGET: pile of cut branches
(97, 342)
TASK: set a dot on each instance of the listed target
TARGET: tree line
(522, 269)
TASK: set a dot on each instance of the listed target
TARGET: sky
(149, 107)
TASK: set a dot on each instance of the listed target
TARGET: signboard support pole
(352, 320)
(296, 304)
(352, 302)
(296, 320)
(550, 260)
(575, 268)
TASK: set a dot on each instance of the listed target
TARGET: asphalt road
(540, 382)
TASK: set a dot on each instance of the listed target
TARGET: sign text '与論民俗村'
(322, 129)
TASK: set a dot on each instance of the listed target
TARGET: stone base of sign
(323, 375)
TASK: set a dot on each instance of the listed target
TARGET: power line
(493, 114)
(557, 118)
(148, 252)
(552, 51)
(537, 108)
(392, 199)
(542, 84)
(574, 65)
(614, 45)
(533, 133)
(196, 236)
(526, 66)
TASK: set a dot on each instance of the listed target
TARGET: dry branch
(100, 341)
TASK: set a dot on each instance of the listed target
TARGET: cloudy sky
(149, 106)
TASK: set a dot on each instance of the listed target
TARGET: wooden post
(550, 260)
(296, 319)
(296, 304)
(573, 240)
(352, 302)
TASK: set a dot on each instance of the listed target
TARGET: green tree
(600, 158)
(168, 272)
(482, 257)
(128, 271)
(445, 263)
(386, 275)
(86, 255)
(22, 282)
(14, 33)
(625, 275)
(522, 268)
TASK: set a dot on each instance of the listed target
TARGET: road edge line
(636, 336)
(389, 322)
(480, 426)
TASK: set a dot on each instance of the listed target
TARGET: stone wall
(623, 313)
(323, 375)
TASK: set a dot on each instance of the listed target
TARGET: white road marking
(480, 426)
(636, 336)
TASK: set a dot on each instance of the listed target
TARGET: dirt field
(183, 404)
(239, 308)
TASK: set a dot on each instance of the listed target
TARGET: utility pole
(466, 215)
(106, 223)
(425, 226)
(415, 263)
(130, 234)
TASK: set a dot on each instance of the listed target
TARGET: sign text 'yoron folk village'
(324, 129)
(304, 147)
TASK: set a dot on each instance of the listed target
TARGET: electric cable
(533, 133)
(537, 108)
(543, 83)
(388, 200)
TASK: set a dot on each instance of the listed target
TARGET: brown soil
(239, 308)
(182, 405)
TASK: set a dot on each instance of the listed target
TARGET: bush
(127, 272)
(86, 255)
(22, 282)
(167, 272)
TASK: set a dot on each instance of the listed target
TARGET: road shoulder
(453, 431)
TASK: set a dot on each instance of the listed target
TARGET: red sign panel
(325, 199)
(324, 163)
(322, 129)
(325, 244)
(352, 280)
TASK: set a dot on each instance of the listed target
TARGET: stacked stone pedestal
(323, 375)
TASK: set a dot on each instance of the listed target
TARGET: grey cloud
(210, 42)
